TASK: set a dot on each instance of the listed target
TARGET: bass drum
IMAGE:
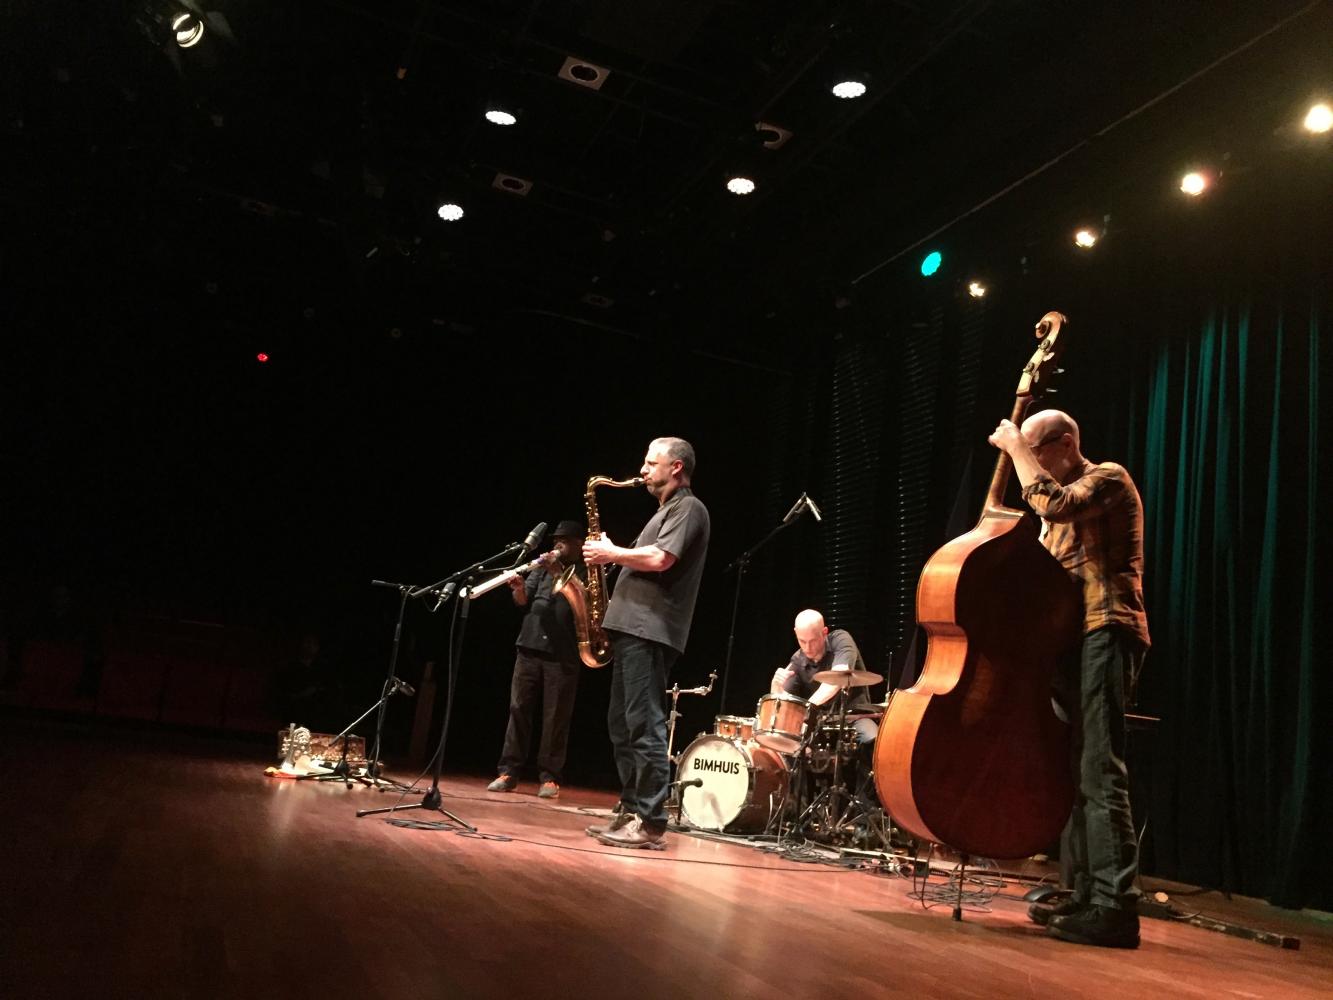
(744, 785)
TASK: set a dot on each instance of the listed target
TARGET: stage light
(450, 212)
(496, 116)
(189, 30)
(848, 89)
(740, 185)
(931, 262)
(261, 357)
(1085, 239)
(1194, 183)
(1319, 118)
(976, 289)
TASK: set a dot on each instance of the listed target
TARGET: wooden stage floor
(161, 865)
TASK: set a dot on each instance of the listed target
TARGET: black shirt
(660, 606)
(839, 651)
(548, 627)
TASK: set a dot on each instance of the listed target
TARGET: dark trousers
(1099, 849)
(554, 683)
(637, 720)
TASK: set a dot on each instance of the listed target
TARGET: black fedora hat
(568, 529)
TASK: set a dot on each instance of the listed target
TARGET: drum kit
(792, 769)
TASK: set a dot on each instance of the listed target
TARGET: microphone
(690, 783)
(534, 537)
(405, 687)
(444, 593)
(813, 508)
(795, 511)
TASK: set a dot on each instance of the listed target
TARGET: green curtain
(1231, 474)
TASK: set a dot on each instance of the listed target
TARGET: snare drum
(734, 727)
(779, 721)
(744, 785)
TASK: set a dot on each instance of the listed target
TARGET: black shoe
(1041, 913)
(1098, 925)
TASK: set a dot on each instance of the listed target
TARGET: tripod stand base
(431, 801)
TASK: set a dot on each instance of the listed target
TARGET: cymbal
(848, 678)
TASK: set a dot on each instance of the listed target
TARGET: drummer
(824, 650)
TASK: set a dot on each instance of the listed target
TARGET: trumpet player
(546, 668)
(648, 620)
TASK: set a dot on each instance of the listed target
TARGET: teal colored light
(931, 263)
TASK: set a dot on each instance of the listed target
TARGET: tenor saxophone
(588, 600)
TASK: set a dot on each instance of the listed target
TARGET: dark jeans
(554, 683)
(1098, 845)
(637, 719)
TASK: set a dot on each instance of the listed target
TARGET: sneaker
(633, 834)
(619, 817)
(549, 790)
(1041, 913)
(1102, 926)
(504, 783)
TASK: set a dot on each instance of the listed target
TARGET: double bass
(973, 756)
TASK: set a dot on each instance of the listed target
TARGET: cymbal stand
(673, 803)
(826, 805)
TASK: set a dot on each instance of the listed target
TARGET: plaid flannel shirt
(1094, 526)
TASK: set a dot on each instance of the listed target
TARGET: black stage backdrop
(154, 467)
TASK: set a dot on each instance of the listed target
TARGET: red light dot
(261, 357)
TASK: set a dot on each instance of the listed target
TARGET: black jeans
(1098, 846)
(554, 683)
(637, 720)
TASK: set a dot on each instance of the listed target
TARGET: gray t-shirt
(840, 650)
(660, 606)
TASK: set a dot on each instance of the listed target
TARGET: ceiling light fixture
(1194, 183)
(1085, 239)
(976, 289)
(1319, 118)
(450, 212)
(931, 262)
(497, 116)
(189, 30)
(848, 89)
(740, 185)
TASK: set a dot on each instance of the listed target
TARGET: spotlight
(740, 185)
(262, 358)
(848, 89)
(1085, 239)
(1319, 118)
(496, 116)
(931, 262)
(1194, 183)
(976, 289)
(189, 30)
(450, 212)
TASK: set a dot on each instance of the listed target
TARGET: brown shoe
(633, 834)
(619, 817)
(549, 790)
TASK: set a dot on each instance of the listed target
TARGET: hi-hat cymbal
(848, 678)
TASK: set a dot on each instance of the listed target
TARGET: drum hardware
(838, 814)
(673, 800)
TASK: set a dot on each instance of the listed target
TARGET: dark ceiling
(293, 161)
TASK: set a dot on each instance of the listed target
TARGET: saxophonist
(648, 620)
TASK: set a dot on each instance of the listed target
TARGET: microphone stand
(740, 564)
(432, 799)
(391, 682)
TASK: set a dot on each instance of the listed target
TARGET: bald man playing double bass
(1092, 523)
